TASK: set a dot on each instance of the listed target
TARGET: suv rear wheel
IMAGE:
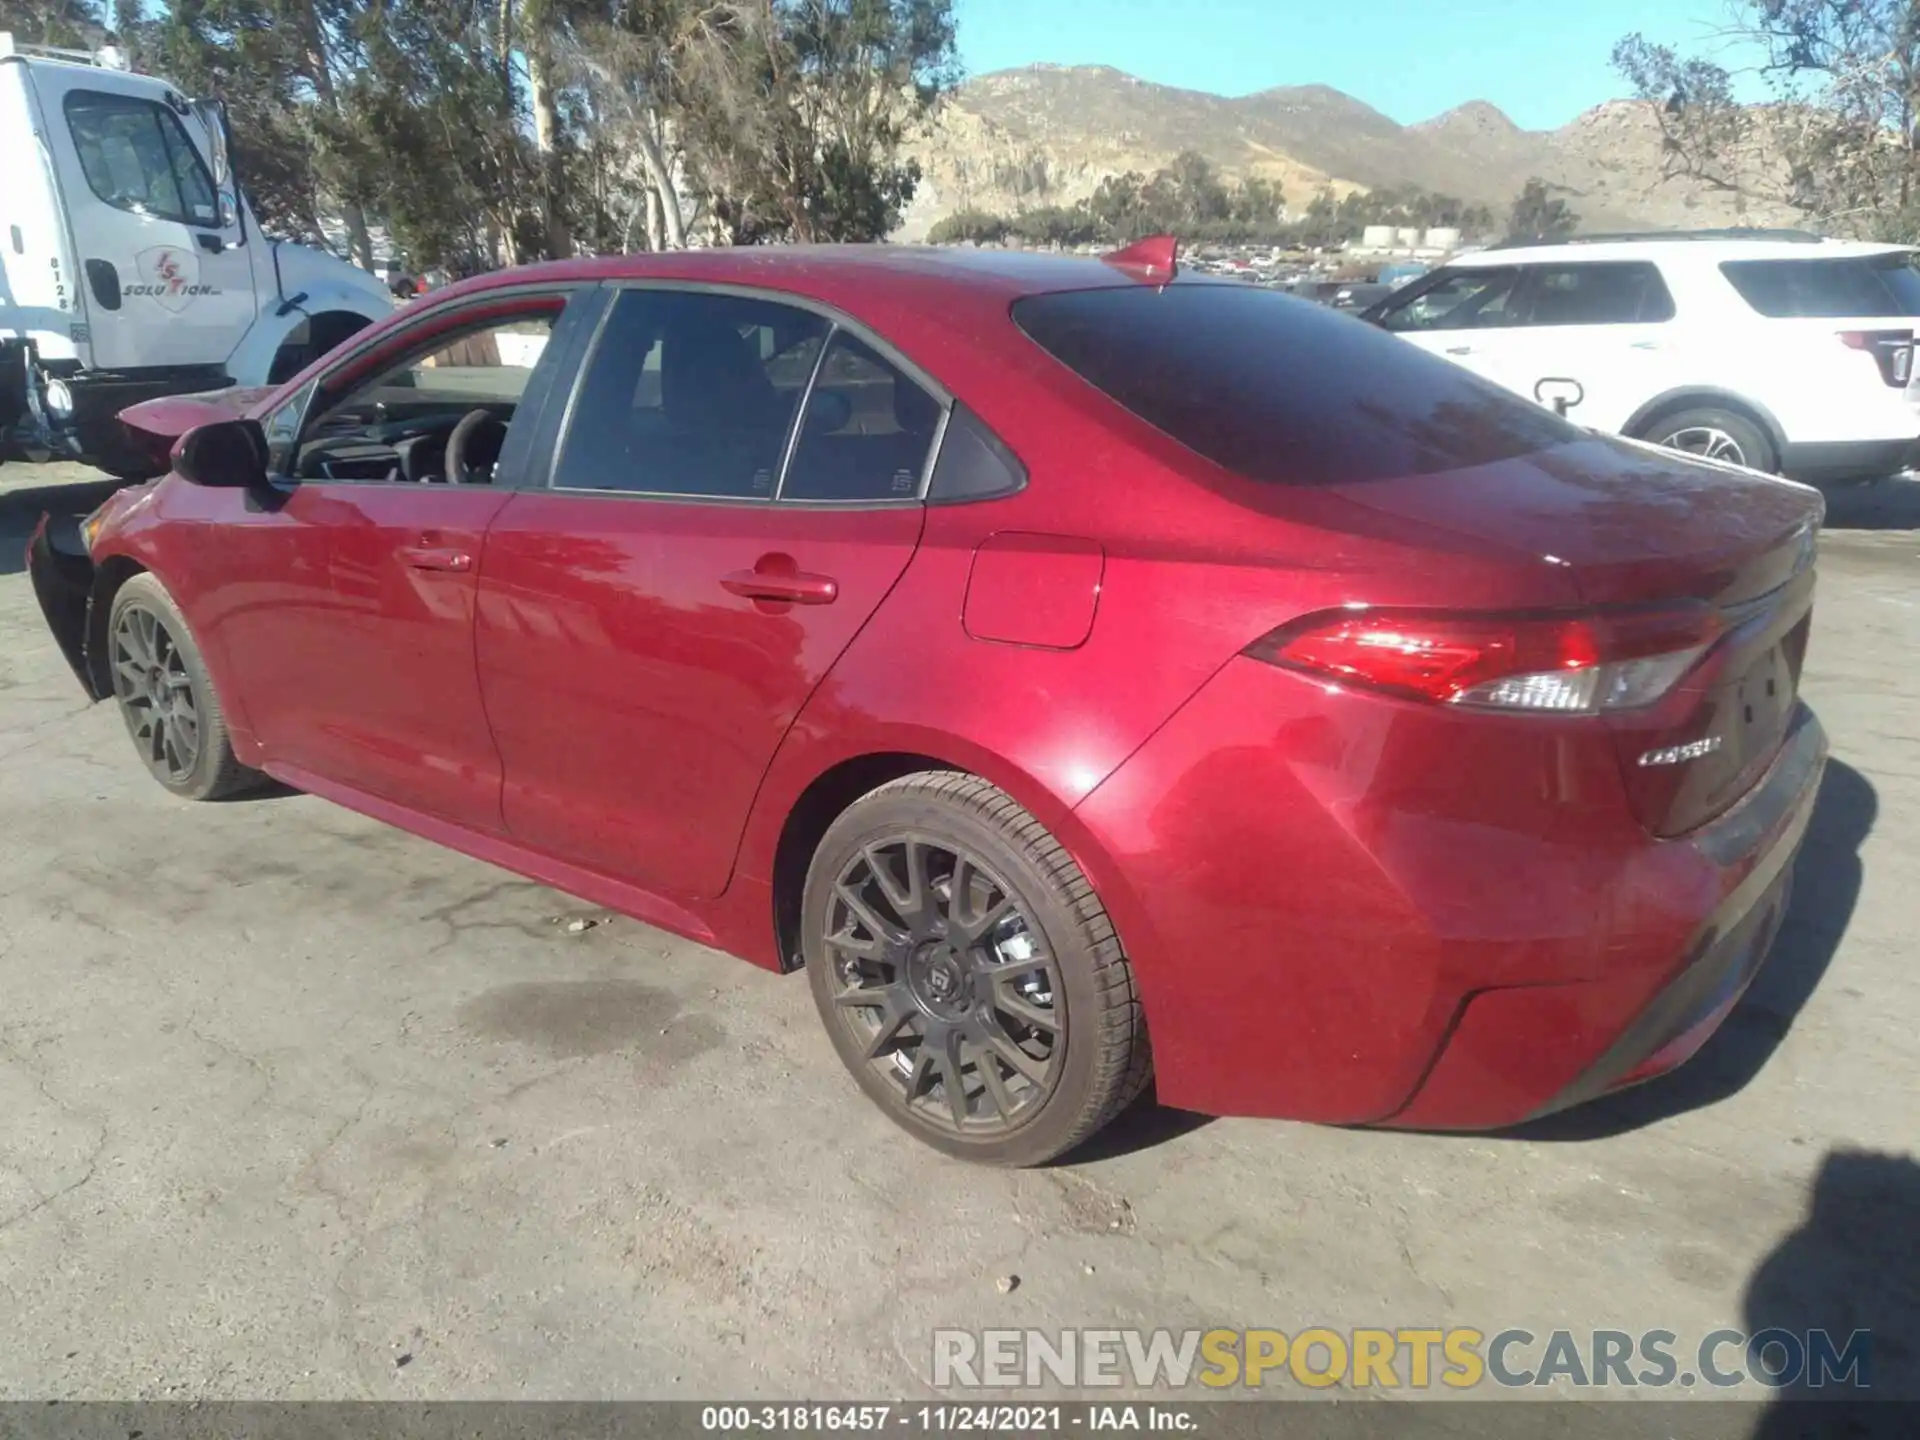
(968, 975)
(1715, 434)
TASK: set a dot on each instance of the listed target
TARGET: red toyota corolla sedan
(1084, 672)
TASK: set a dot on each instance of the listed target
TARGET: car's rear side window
(1861, 287)
(867, 430)
(1282, 390)
(1597, 293)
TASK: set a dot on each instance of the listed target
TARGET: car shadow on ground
(1826, 887)
(1889, 504)
(22, 507)
(1852, 1266)
(1141, 1126)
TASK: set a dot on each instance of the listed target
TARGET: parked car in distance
(1778, 351)
(1086, 673)
(1357, 294)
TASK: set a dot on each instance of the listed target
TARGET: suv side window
(1472, 299)
(1862, 287)
(867, 432)
(1596, 293)
(690, 393)
(137, 158)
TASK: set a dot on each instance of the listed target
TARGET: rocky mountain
(1048, 134)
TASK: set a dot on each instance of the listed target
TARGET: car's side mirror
(225, 454)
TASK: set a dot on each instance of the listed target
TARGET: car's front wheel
(166, 696)
(967, 973)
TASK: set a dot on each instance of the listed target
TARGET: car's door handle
(436, 557)
(212, 244)
(1459, 350)
(793, 588)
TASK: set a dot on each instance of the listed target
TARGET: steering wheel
(474, 447)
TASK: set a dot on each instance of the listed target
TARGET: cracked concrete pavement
(293, 1105)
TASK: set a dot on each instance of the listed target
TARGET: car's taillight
(1567, 664)
(1892, 351)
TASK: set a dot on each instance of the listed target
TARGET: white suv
(1775, 350)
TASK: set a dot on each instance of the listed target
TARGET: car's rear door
(1599, 334)
(736, 490)
(347, 613)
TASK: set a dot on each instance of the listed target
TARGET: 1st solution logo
(169, 276)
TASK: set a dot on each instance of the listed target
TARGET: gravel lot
(296, 1106)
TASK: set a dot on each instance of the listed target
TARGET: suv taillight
(1892, 350)
(1566, 664)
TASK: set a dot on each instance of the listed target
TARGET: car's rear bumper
(1474, 1083)
(1848, 459)
(1359, 911)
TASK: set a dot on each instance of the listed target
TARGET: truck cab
(130, 264)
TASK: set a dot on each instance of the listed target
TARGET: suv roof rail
(1734, 232)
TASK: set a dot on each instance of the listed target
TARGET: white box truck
(130, 265)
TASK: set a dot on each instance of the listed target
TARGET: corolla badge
(1680, 754)
(170, 276)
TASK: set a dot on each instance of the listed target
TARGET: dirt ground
(293, 1105)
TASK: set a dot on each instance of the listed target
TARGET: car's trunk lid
(1632, 526)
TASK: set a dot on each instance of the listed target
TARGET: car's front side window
(282, 429)
(392, 418)
(1456, 300)
(690, 393)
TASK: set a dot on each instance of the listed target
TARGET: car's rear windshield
(1864, 287)
(1283, 390)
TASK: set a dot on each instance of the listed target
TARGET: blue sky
(1542, 61)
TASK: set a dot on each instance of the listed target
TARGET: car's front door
(1464, 315)
(738, 488)
(347, 615)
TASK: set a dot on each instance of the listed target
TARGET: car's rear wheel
(166, 696)
(1716, 435)
(967, 973)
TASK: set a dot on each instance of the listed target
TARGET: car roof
(1696, 251)
(836, 274)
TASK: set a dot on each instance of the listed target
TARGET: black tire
(1717, 435)
(1020, 885)
(155, 666)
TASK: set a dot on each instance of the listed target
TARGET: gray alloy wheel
(166, 696)
(967, 974)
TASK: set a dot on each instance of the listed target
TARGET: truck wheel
(167, 698)
(968, 975)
